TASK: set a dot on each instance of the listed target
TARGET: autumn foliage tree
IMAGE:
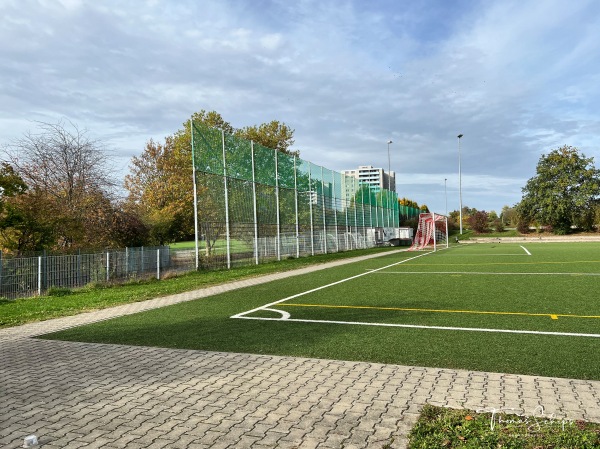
(160, 183)
(68, 201)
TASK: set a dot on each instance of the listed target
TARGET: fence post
(278, 238)
(310, 203)
(254, 203)
(107, 266)
(324, 215)
(126, 262)
(158, 263)
(39, 275)
(296, 208)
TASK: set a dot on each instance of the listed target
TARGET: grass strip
(449, 428)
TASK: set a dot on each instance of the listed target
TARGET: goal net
(432, 232)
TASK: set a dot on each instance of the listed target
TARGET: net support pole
(228, 242)
(310, 209)
(434, 236)
(334, 204)
(254, 204)
(362, 206)
(446, 222)
(277, 207)
(296, 209)
(196, 246)
(354, 189)
(324, 216)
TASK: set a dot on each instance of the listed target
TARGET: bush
(498, 226)
(523, 227)
(59, 291)
(479, 222)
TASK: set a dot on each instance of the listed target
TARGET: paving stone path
(82, 395)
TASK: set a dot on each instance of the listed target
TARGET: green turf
(466, 278)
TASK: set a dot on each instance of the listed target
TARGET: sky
(516, 78)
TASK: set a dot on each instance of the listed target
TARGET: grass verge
(449, 428)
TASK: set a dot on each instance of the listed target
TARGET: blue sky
(517, 78)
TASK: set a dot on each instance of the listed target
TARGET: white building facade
(377, 178)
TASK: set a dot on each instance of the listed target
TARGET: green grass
(464, 279)
(448, 428)
(236, 246)
(63, 302)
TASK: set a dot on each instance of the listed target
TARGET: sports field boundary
(533, 239)
(57, 324)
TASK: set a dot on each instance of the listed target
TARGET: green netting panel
(241, 201)
(207, 149)
(266, 206)
(264, 165)
(286, 171)
(287, 208)
(300, 207)
(303, 175)
(238, 158)
(211, 197)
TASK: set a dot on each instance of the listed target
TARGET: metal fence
(254, 203)
(32, 276)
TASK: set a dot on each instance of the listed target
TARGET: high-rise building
(377, 178)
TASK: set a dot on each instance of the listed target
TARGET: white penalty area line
(416, 326)
(266, 306)
(525, 249)
(491, 273)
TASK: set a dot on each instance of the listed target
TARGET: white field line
(489, 255)
(491, 272)
(525, 249)
(241, 315)
(414, 326)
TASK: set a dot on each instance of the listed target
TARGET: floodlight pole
(460, 186)
(389, 164)
(446, 195)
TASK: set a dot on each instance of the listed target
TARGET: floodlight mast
(389, 165)
(460, 187)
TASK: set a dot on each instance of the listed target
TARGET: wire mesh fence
(256, 204)
(33, 276)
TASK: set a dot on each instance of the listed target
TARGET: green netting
(252, 192)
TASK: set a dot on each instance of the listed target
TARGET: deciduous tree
(564, 190)
(68, 174)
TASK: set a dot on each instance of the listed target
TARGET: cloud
(517, 78)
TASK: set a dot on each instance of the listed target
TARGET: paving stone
(121, 397)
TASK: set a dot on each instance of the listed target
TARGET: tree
(509, 216)
(564, 190)
(275, 135)
(11, 183)
(69, 178)
(479, 221)
(160, 182)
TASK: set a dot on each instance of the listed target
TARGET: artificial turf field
(530, 308)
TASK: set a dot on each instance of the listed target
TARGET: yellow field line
(554, 316)
(509, 263)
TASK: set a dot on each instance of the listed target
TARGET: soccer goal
(432, 232)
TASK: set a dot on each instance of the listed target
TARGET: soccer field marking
(554, 316)
(417, 326)
(514, 263)
(492, 273)
(241, 315)
(525, 249)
